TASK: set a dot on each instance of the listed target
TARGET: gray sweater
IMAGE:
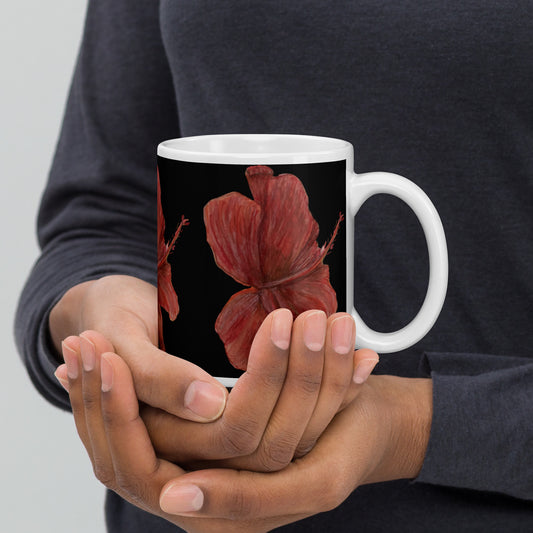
(440, 92)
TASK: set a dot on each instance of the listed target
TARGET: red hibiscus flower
(269, 245)
(168, 299)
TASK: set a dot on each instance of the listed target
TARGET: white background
(47, 484)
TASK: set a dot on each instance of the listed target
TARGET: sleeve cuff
(481, 433)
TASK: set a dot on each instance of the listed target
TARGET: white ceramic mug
(242, 207)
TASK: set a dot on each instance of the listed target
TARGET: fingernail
(106, 374)
(315, 330)
(342, 334)
(280, 329)
(71, 360)
(61, 376)
(363, 370)
(88, 353)
(178, 499)
(205, 399)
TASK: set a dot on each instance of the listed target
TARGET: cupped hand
(124, 310)
(299, 376)
(382, 435)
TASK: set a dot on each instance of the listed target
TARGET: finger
(70, 348)
(101, 344)
(62, 376)
(171, 383)
(124, 309)
(249, 406)
(91, 391)
(336, 378)
(300, 393)
(256, 393)
(318, 482)
(139, 474)
(364, 362)
(250, 496)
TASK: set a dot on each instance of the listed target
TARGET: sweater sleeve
(482, 430)
(98, 215)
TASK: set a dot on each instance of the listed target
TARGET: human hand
(380, 436)
(279, 407)
(299, 376)
(124, 310)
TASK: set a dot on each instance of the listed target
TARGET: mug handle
(360, 187)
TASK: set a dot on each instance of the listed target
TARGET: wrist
(405, 405)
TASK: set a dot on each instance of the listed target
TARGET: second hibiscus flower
(166, 295)
(269, 244)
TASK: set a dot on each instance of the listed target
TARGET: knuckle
(308, 383)
(271, 380)
(90, 400)
(337, 386)
(241, 505)
(109, 418)
(238, 439)
(276, 454)
(104, 474)
(130, 485)
(77, 404)
(304, 447)
(138, 486)
(114, 421)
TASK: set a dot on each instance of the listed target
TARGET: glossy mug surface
(251, 223)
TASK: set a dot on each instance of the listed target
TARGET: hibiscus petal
(238, 323)
(288, 231)
(259, 177)
(232, 225)
(313, 291)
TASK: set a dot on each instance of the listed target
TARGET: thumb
(364, 361)
(177, 386)
(162, 380)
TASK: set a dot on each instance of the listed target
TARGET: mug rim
(255, 148)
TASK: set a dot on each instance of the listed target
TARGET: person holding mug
(436, 439)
